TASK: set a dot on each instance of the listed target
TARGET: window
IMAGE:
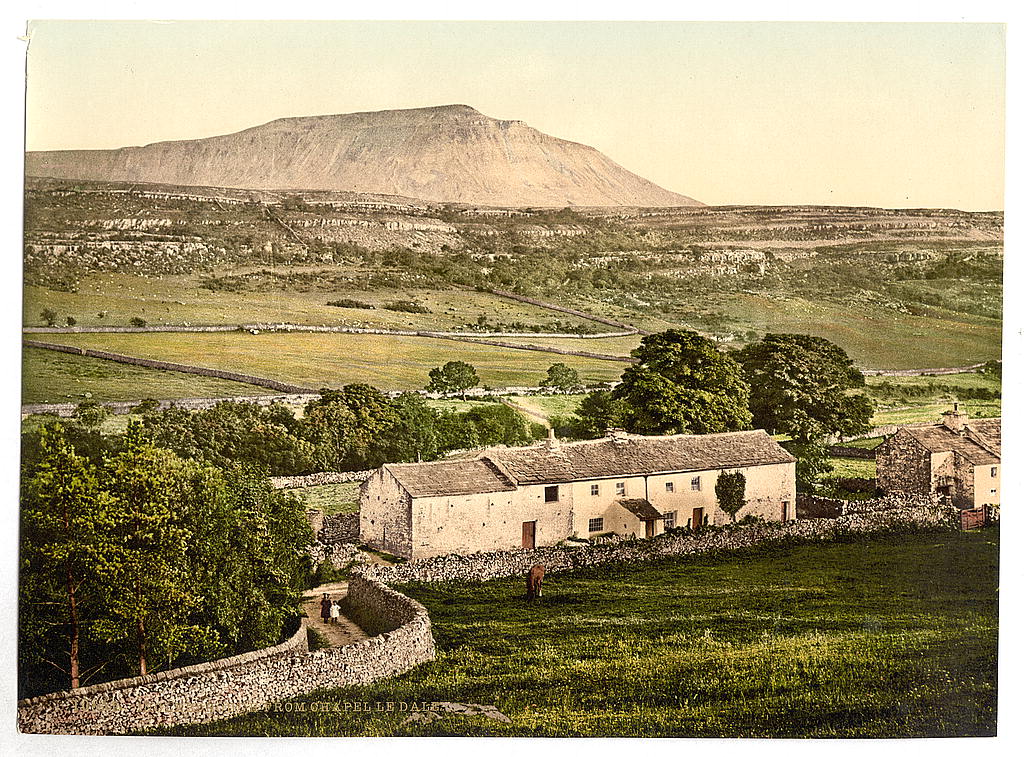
(670, 487)
(992, 492)
(595, 524)
(995, 471)
(550, 493)
(670, 520)
(594, 490)
(695, 483)
(620, 488)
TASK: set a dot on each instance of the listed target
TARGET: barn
(524, 497)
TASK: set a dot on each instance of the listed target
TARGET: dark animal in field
(534, 582)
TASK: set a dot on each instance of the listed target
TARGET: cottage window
(670, 520)
(695, 483)
(595, 524)
(550, 493)
(620, 488)
(670, 487)
(594, 490)
(995, 471)
(992, 492)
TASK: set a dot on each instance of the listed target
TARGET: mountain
(450, 153)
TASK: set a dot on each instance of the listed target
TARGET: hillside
(450, 153)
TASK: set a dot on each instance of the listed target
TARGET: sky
(879, 114)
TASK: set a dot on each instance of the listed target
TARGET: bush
(347, 303)
(138, 322)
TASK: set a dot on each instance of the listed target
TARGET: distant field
(932, 411)
(848, 467)
(55, 377)
(177, 300)
(549, 405)
(317, 360)
(891, 637)
(330, 498)
(875, 337)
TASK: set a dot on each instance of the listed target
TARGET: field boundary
(162, 365)
(309, 328)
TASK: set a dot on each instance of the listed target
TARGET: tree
(453, 376)
(138, 322)
(146, 406)
(598, 412)
(812, 462)
(730, 490)
(803, 386)
(70, 320)
(63, 553)
(682, 383)
(49, 316)
(562, 377)
(91, 413)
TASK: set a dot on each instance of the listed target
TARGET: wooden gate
(972, 518)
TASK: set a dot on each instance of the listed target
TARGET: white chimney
(553, 442)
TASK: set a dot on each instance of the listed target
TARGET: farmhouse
(521, 498)
(957, 459)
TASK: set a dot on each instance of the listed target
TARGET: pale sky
(893, 115)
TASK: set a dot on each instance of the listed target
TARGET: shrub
(348, 303)
(138, 322)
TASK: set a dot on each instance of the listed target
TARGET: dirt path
(341, 633)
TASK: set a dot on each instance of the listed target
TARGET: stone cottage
(521, 498)
(957, 459)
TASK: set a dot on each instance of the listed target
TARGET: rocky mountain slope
(449, 153)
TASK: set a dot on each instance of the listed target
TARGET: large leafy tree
(683, 383)
(453, 376)
(562, 377)
(804, 386)
(598, 412)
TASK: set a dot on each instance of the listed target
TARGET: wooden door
(529, 534)
(785, 511)
(650, 528)
(698, 518)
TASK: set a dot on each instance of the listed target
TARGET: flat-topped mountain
(450, 153)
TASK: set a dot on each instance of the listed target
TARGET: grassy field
(57, 377)
(891, 637)
(848, 467)
(330, 498)
(317, 360)
(874, 336)
(177, 300)
(932, 411)
(548, 405)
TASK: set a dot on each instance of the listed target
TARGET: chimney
(955, 420)
(552, 442)
(617, 435)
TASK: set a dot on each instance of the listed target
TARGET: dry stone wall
(246, 683)
(901, 513)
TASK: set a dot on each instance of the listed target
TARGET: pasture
(890, 637)
(57, 377)
(330, 498)
(333, 360)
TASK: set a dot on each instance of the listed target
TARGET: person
(335, 612)
(325, 608)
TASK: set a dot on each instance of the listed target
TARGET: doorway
(698, 518)
(529, 534)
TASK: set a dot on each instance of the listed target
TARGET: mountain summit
(450, 153)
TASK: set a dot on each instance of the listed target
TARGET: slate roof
(637, 456)
(981, 451)
(641, 508)
(450, 477)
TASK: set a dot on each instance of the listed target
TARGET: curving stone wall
(246, 683)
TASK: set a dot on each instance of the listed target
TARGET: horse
(534, 582)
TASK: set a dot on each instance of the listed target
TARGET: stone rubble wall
(895, 513)
(246, 683)
(319, 479)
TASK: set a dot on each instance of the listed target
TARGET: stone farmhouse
(521, 498)
(957, 459)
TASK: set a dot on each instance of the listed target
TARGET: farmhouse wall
(903, 465)
(385, 514)
(246, 683)
(891, 513)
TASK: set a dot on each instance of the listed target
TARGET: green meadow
(890, 637)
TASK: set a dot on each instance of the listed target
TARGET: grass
(330, 498)
(932, 411)
(56, 377)
(871, 443)
(177, 300)
(548, 405)
(317, 360)
(891, 637)
(847, 467)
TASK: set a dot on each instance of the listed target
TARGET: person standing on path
(335, 612)
(325, 609)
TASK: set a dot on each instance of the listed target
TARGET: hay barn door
(649, 524)
(529, 534)
(698, 518)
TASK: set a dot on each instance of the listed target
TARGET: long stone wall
(896, 513)
(246, 683)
